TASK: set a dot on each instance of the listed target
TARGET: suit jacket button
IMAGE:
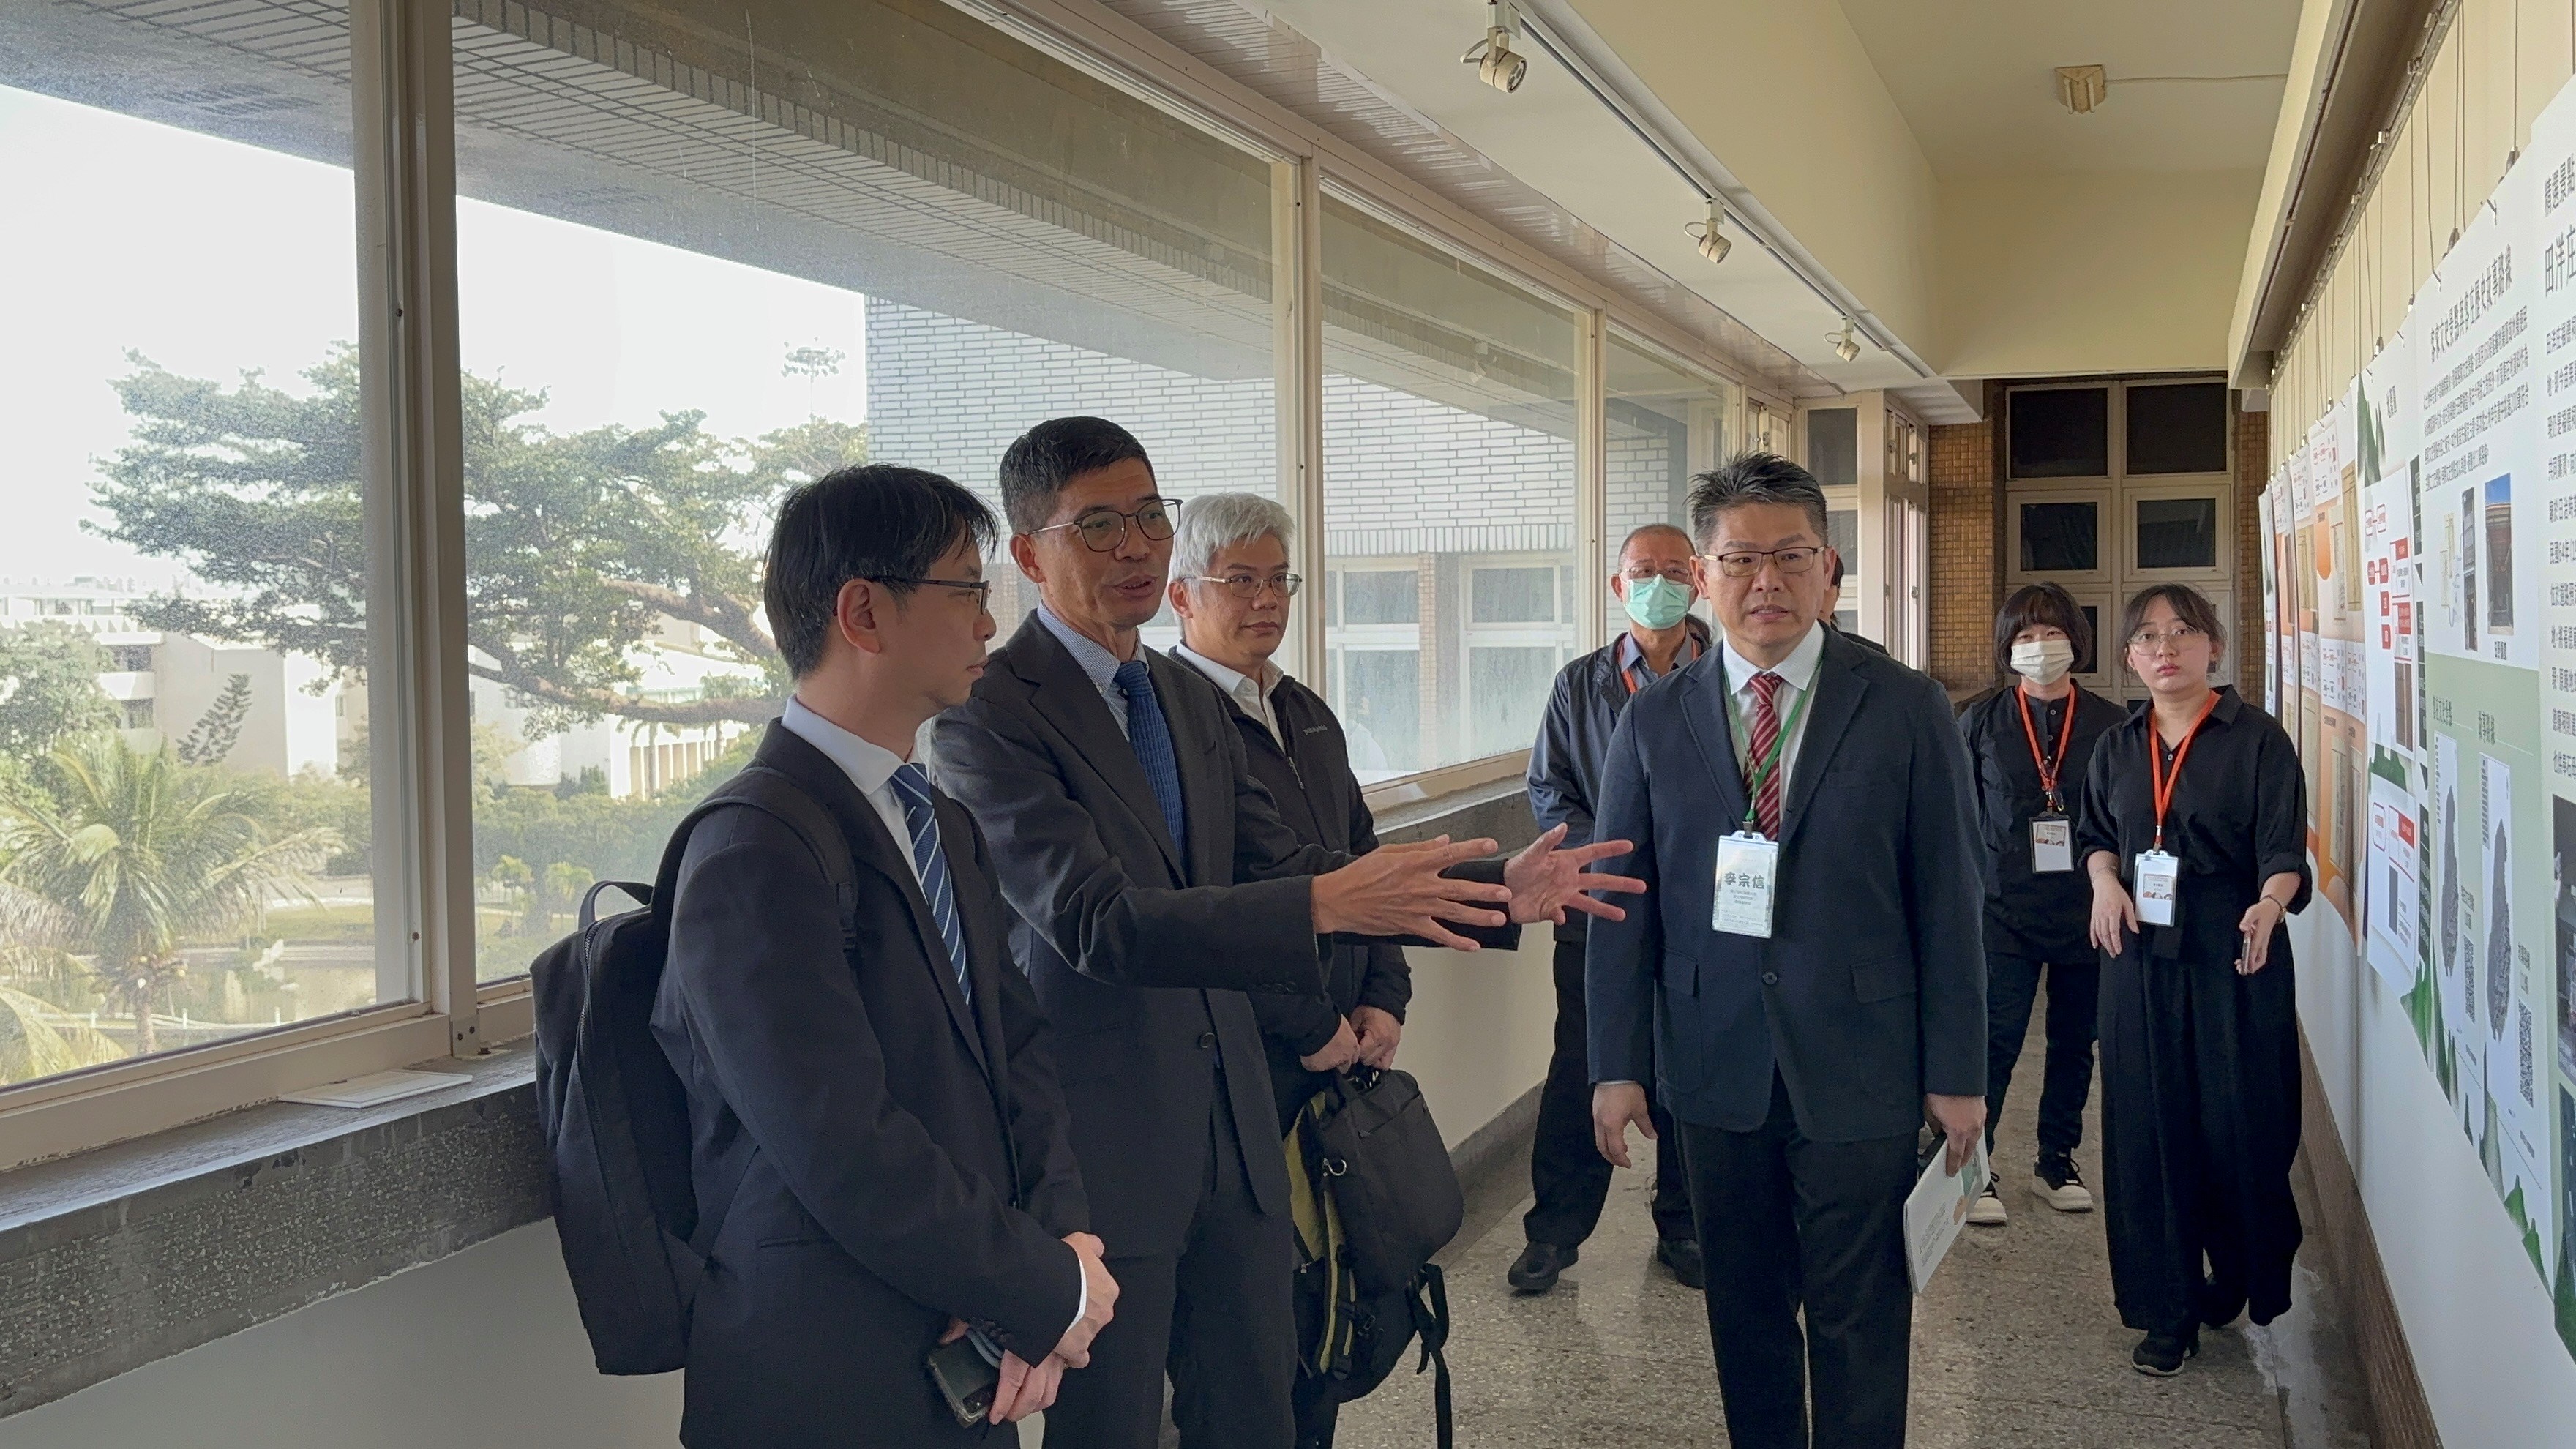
(1207, 1040)
(1770, 978)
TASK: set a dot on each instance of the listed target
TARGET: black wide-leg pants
(2200, 1119)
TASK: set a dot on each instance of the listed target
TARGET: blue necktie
(912, 787)
(1151, 736)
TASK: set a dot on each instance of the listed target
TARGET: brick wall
(1966, 568)
(2253, 634)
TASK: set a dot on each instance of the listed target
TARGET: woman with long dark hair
(2194, 831)
(2028, 746)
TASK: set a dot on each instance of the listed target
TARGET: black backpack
(1372, 1197)
(614, 1114)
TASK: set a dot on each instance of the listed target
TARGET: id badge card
(1747, 870)
(2052, 844)
(2158, 876)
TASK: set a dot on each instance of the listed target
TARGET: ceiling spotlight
(1496, 63)
(1713, 244)
(1846, 342)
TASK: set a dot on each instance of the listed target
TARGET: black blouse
(2239, 817)
(2039, 916)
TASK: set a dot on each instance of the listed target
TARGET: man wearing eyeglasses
(1569, 1179)
(1154, 884)
(1808, 985)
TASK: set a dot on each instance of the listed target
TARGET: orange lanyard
(1627, 673)
(2049, 769)
(2164, 782)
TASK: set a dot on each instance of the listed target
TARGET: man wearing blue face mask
(1655, 583)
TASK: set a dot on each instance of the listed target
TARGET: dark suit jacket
(1141, 957)
(1871, 990)
(873, 1120)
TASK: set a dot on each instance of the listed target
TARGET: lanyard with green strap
(1761, 771)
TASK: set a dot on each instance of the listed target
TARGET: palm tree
(30, 1047)
(142, 853)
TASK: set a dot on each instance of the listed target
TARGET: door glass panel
(2178, 428)
(1833, 446)
(2177, 533)
(2061, 432)
(2060, 537)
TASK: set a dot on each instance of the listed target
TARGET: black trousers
(2200, 1119)
(2074, 991)
(1217, 1317)
(1567, 1172)
(1788, 1224)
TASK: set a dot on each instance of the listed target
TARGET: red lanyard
(2050, 768)
(2164, 782)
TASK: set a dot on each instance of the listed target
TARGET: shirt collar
(868, 764)
(1798, 671)
(1233, 681)
(1627, 653)
(1097, 663)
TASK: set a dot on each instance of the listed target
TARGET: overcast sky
(211, 257)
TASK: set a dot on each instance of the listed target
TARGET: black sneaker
(2060, 1186)
(1681, 1256)
(1535, 1270)
(2162, 1354)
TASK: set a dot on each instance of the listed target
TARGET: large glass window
(1666, 423)
(681, 294)
(184, 816)
(1449, 414)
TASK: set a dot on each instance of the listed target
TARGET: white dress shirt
(1250, 693)
(869, 765)
(871, 768)
(1798, 681)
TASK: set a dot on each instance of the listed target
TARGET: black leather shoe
(1681, 1256)
(2162, 1354)
(1535, 1270)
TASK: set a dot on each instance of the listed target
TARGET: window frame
(404, 223)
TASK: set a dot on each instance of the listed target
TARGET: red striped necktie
(1766, 735)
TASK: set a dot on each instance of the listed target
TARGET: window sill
(114, 1258)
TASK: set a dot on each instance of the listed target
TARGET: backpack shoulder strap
(774, 794)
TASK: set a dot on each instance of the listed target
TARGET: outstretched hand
(1546, 882)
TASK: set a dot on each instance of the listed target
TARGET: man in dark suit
(1154, 885)
(876, 1121)
(1797, 1055)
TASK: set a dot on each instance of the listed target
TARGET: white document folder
(1937, 1207)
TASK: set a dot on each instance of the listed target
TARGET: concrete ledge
(116, 1258)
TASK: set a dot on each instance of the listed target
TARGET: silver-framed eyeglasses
(1744, 563)
(2153, 642)
(1248, 587)
(1677, 574)
(1103, 530)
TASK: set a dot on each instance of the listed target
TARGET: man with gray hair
(1807, 982)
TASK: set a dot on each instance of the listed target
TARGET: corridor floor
(2016, 1344)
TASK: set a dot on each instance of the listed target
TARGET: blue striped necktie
(1151, 736)
(912, 787)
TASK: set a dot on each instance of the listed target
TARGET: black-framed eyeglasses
(1744, 563)
(1249, 586)
(1105, 529)
(982, 589)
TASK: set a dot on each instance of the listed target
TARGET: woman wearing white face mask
(2029, 744)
